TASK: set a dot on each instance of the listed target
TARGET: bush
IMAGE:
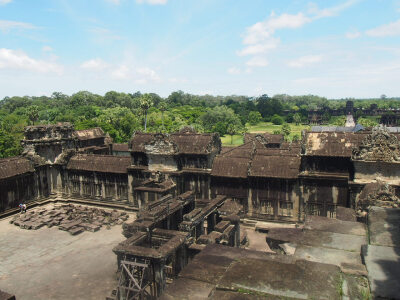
(277, 120)
(254, 117)
(286, 130)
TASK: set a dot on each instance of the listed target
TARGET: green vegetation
(121, 114)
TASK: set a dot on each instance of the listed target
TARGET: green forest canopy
(120, 114)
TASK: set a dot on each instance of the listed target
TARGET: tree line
(121, 114)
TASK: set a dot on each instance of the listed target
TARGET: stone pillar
(130, 190)
(103, 190)
(250, 202)
(211, 221)
(115, 189)
(159, 276)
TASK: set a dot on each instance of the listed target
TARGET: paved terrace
(49, 263)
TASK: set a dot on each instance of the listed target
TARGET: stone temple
(325, 210)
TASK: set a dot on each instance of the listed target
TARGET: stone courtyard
(49, 263)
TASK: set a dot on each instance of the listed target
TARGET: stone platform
(382, 255)
(232, 273)
(47, 263)
(68, 217)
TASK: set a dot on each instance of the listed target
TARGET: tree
(33, 113)
(234, 128)
(146, 102)
(277, 120)
(296, 138)
(254, 117)
(286, 130)
(367, 122)
(9, 144)
(297, 118)
(162, 106)
(218, 118)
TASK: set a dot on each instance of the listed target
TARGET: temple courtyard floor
(49, 263)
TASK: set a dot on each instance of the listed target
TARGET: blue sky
(336, 49)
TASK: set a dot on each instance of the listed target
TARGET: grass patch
(262, 127)
(237, 140)
(269, 127)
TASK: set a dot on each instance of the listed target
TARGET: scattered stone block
(288, 248)
(90, 227)
(76, 230)
(69, 225)
(68, 216)
(353, 269)
(37, 225)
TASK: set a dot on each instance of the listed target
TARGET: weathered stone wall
(322, 196)
(274, 199)
(162, 163)
(368, 171)
(16, 190)
(97, 186)
(198, 183)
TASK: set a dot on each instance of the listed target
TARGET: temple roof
(99, 163)
(269, 137)
(88, 134)
(13, 166)
(120, 147)
(274, 166)
(255, 159)
(139, 140)
(187, 142)
(338, 144)
(233, 167)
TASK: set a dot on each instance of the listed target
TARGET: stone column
(130, 189)
(159, 276)
(211, 221)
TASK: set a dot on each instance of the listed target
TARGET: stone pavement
(52, 264)
(382, 255)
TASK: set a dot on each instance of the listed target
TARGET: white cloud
(121, 72)
(178, 80)
(263, 47)
(47, 49)
(261, 31)
(6, 25)
(257, 62)
(18, 60)
(104, 34)
(4, 2)
(305, 61)
(148, 74)
(152, 2)
(330, 11)
(96, 64)
(260, 38)
(353, 35)
(391, 29)
(234, 71)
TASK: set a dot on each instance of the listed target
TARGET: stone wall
(368, 171)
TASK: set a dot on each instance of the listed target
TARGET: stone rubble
(74, 219)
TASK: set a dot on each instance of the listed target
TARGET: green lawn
(261, 128)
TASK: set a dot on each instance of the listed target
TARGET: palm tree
(162, 107)
(146, 101)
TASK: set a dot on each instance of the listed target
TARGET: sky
(335, 49)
